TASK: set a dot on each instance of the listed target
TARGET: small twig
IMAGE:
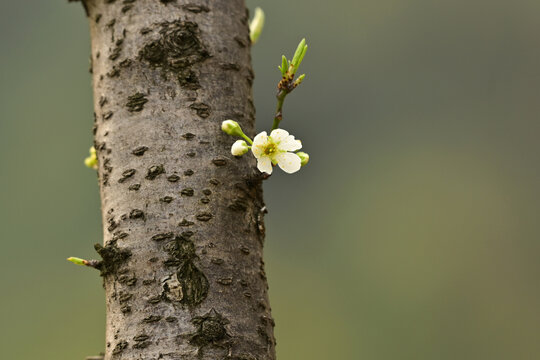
(287, 83)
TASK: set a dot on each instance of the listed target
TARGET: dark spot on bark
(191, 154)
(205, 200)
(188, 79)
(193, 282)
(187, 233)
(171, 319)
(124, 297)
(155, 299)
(194, 8)
(185, 222)
(219, 162)
(102, 101)
(181, 40)
(245, 250)
(188, 172)
(154, 172)
(188, 136)
(136, 102)
(217, 261)
(148, 281)
(173, 178)
(119, 235)
(201, 109)
(126, 8)
(247, 294)
(134, 187)
(178, 48)
(151, 319)
(262, 273)
(141, 342)
(107, 115)
(112, 224)
(187, 192)
(214, 182)
(136, 214)
(225, 281)
(97, 18)
(121, 346)
(210, 329)
(139, 151)
(125, 63)
(172, 262)
(125, 309)
(114, 72)
(166, 1)
(163, 236)
(145, 31)
(166, 199)
(153, 53)
(115, 53)
(207, 192)
(127, 280)
(141, 337)
(230, 66)
(126, 175)
(113, 257)
(204, 216)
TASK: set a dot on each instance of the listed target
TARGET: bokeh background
(412, 234)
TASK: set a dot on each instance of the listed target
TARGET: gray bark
(183, 219)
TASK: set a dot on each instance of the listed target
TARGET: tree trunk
(183, 219)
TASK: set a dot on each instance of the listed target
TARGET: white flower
(274, 149)
(239, 148)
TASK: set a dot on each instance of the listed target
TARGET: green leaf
(298, 53)
(284, 65)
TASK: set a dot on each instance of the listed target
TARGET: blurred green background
(414, 231)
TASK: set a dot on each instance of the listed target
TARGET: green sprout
(92, 161)
(288, 83)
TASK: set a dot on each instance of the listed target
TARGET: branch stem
(281, 95)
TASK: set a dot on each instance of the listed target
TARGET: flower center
(270, 149)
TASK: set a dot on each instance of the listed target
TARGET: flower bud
(239, 148)
(304, 157)
(232, 128)
(256, 25)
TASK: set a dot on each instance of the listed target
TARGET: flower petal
(288, 162)
(259, 143)
(264, 164)
(278, 135)
(290, 144)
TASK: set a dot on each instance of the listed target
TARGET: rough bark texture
(183, 219)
